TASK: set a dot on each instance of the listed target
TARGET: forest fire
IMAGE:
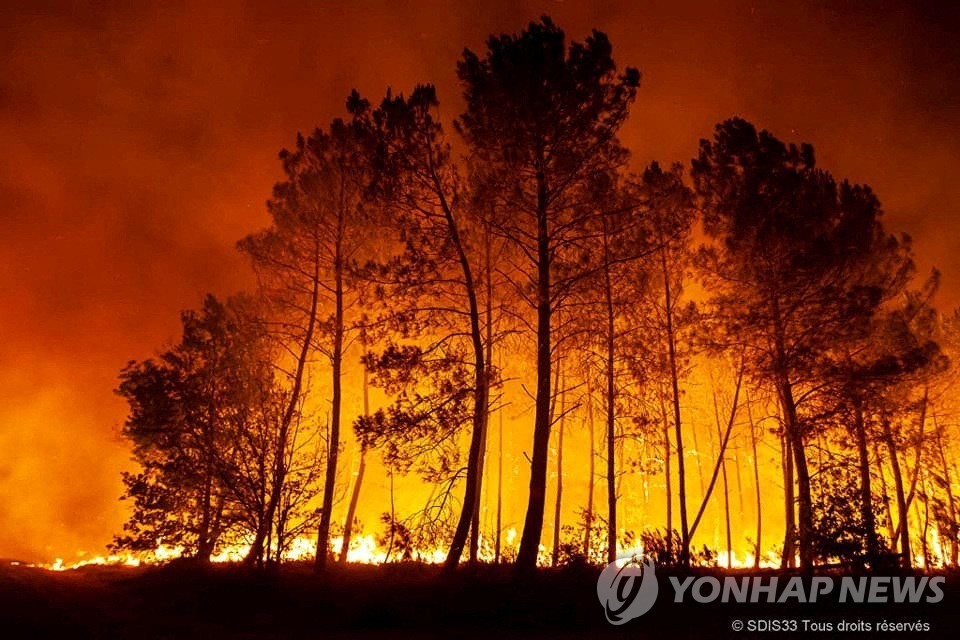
(363, 550)
(505, 316)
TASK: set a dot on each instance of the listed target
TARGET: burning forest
(483, 335)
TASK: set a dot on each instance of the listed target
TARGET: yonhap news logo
(627, 588)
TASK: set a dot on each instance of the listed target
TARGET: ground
(401, 601)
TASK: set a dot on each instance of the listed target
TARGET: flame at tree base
(363, 550)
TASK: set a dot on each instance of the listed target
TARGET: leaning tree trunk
(795, 440)
(473, 460)
(481, 386)
(255, 554)
(726, 487)
(903, 528)
(918, 456)
(951, 506)
(361, 469)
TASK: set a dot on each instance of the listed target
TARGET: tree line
(435, 259)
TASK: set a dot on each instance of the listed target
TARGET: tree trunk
(497, 541)
(918, 453)
(866, 493)
(611, 412)
(726, 487)
(361, 469)
(756, 482)
(555, 559)
(666, 472)
(789, 555)
(204, 539)
(475, 525)
(903, 528)
(888, 510)
(473, 470)
(948, 488)
(795, 439)
(678, 431)
(791, 425)
(393, 518)
(279, 471)
(724, 441)
(533, 522)
(475, 533)
(591, 471)
(925, 519)
(480, 393)
(333, 446)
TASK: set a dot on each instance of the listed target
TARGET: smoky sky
(140, 142)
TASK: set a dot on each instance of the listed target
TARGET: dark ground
(409, 601)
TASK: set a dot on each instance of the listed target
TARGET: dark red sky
(139, 143)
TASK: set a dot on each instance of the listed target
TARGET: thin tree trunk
(948, 487)
(789, 555)
(475, 519)
(555, 559)
(756, 482)
(925, 519)
(393, 518)
(723, 469)
(480, 391)
(723, 449)
(918, 453)
(666, 472)
(795, 438)
(591, 472)
(699, 458)
(736, 466)
(475, 526)
(866, 493)
(496, 548)
(333, 447)
(610, 406)
(204, 542)
(804, 506)
(888, 510)
(533, 522)
(902, 528)
(279, 471)
(361, 469)
(675, 388)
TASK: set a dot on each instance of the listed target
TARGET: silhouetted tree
(431, 290)
(204, 418)
(302, 261)
(662, 320)
(789, 269)
(541, 119)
